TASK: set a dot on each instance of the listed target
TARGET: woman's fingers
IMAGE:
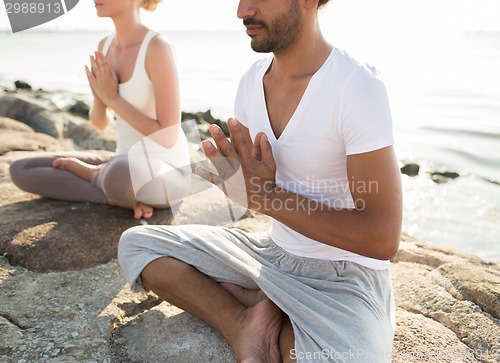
(90, 77)
(96, 70)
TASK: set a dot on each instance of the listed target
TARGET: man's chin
(259, 47)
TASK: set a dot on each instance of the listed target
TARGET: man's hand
(246, 170)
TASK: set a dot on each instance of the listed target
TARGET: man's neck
(303, 58)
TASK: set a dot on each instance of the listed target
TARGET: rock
(420, 339)
(183, 338)
(62, 236)
(429, 254)
(26, 110)
(43, 306)
(87, 137)
(421, 289)
(478, 284)
(204, 119)
(11, 334)
(13, 125)
(22, 85)
(27, 141)
(80, 108)
(57, 124)
(441, 177)
(410, 169)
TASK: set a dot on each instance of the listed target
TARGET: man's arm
(372, 229)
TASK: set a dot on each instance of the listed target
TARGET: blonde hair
(150, 5)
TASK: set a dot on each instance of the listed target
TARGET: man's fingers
(221, 162)
(223, 144)
(267, 152)
(241, 140)
(257, 152)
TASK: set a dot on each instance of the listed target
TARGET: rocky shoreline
(64, 299)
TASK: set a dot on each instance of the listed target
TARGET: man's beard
(282, 31)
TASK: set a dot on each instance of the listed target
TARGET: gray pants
(36, 175)
(340, 311)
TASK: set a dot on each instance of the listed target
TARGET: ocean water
(444, 93)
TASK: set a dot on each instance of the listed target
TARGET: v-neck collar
(291, 122)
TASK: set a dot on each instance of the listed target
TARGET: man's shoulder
(352, 69)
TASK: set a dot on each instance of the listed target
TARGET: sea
(444, 94)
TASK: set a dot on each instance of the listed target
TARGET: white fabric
(344, 111)
(139, 92)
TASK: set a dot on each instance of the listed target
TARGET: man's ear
(310, 4)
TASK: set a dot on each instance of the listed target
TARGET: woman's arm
(99, 114)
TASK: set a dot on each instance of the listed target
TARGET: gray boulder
(28, 111)
(80, 108)
(20, 84)
(86, 136)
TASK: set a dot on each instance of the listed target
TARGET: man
(322, 165)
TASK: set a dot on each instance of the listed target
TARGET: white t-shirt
(344, 111)
(139, 92)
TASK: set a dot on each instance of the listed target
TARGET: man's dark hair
(322, 3)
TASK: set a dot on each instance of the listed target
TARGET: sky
(384, 16)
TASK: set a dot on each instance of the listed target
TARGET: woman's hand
(102, 79)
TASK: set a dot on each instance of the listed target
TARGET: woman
(133, 78)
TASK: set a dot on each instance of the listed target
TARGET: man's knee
(129, 245)
(129, 238)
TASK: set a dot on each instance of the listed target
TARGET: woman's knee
(116, 181)
(18, 170)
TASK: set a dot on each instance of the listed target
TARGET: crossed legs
(253, 325)
(337, 308)
(88, 171)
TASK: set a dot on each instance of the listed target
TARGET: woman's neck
(129, 29)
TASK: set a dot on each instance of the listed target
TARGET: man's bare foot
(259, 334)
(77, 167)
(142, 211)
(244, 296)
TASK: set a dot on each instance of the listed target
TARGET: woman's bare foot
(258, 340)
(142, 211)
(77, 167)
(244, 296)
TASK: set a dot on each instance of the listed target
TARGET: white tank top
(139, 92)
